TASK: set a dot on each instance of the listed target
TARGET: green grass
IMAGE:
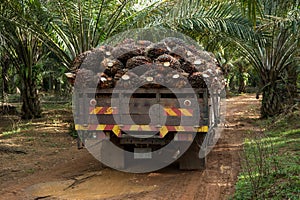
(55, 106)
(10, 133)
(271, 162)
(53, 115)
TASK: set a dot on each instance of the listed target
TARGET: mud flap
(115, 157)
(190, 159)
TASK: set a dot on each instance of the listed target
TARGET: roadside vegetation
(271, 160)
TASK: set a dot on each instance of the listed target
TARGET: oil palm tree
(30, 28)
(275, 55)
(266, 31)
(78, 26)
(25, 52)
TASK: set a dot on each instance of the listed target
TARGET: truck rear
(158, 111)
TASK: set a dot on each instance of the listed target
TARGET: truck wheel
(114, 157)
(190, 159)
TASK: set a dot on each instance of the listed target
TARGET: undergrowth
(271, 162)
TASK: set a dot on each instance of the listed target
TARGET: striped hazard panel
(167, 111)
(165, 129)
(139, 128)
(99, 127)
(178, 112)
(162, 130)
(103, 111)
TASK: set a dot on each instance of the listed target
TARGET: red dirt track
(61, 171)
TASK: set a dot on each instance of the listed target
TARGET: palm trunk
(31, 104)
(5, 85)
(276, 98)
(292, 83)
(242, 85)
(271, 104)
(5, 66)
(231, 84)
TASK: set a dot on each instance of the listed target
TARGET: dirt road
(63, 172)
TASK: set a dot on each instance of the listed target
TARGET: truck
(128, 124)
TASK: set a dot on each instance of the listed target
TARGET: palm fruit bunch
(130, 64)
(137, 61)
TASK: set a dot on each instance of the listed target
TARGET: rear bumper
(163, 130)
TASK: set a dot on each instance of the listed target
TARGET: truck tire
(114, 157)
(190, 159)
